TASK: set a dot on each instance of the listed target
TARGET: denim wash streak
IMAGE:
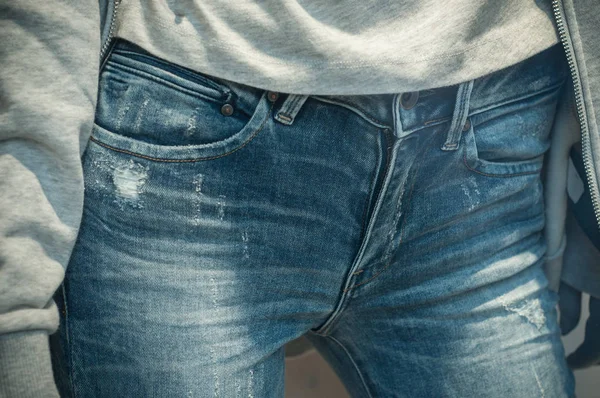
(402, 233)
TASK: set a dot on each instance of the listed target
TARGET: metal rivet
(467, 125)
(284, 117)
(272, 96)
(409, 100)
(227, 109)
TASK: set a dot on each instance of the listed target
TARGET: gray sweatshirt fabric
(49, 61)
(342, 47)
(48, 84)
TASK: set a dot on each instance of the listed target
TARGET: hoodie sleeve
(49, 59)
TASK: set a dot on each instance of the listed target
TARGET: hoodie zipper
(111, 29)
(585, 134)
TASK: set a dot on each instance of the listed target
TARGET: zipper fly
(585, 134)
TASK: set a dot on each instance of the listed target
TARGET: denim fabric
(214, 235)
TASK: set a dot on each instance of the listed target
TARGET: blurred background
(307, 375)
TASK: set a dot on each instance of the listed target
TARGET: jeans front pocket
(153, 109)
(510, 138)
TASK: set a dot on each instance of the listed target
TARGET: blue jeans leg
(448, 297)
(213, 233)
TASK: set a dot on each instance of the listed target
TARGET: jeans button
(467, 125)
(409, 100)
(272, 96)
(227, 109)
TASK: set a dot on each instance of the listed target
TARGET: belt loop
(459, 117)
(290, 108)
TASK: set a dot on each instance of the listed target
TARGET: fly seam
(408, 203)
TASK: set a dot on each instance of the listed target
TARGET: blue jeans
(401, 233)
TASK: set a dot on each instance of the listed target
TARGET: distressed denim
(401, 233)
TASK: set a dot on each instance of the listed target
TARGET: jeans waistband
(409, 112)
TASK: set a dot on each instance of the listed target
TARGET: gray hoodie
(50, 56)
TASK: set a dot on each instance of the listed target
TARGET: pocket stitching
(496, 175)
(167, 160)
(501, 175)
